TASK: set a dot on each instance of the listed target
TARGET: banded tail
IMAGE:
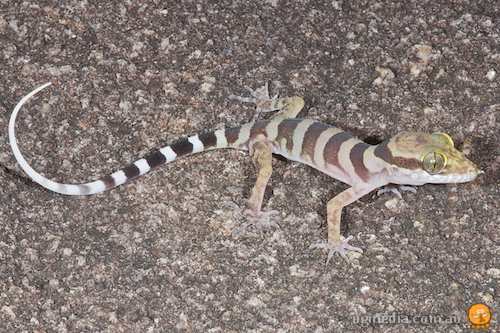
(191, 145)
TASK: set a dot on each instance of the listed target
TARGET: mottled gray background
(158, 254)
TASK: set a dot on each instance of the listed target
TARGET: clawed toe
(260, 221)
(342, 248)
(396, 190)
(264, 220)
(261, 98)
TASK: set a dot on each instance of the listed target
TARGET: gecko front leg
(334, 211)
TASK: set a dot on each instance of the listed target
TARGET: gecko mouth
(454, 178)
(422, 177)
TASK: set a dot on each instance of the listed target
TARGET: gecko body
(411, 158)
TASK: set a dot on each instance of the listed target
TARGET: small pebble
(491, 74)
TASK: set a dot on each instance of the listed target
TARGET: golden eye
(434, 162)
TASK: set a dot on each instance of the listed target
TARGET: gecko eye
(434, 162)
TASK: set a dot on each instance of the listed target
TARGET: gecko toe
(396, 190)
(342, 248)
(264, 220)
(262, 100)
(260, 222)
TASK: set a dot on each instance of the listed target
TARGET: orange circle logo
(479, 315)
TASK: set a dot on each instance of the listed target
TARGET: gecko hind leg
(261, 152)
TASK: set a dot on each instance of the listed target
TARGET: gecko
(408, 158)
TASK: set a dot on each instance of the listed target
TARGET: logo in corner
(479, 315)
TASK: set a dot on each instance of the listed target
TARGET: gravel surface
(159, 255)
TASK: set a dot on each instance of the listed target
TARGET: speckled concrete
(158, 255)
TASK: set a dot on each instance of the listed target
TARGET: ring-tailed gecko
(409, 158)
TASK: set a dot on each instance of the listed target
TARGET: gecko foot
(262, 100)
(342, 248)
(260, 221)
(396, 189)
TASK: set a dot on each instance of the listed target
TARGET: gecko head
(417, 158)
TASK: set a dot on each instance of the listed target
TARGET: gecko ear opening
(434, 162)
(442, 139)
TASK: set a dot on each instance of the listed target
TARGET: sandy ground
(158, 255)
